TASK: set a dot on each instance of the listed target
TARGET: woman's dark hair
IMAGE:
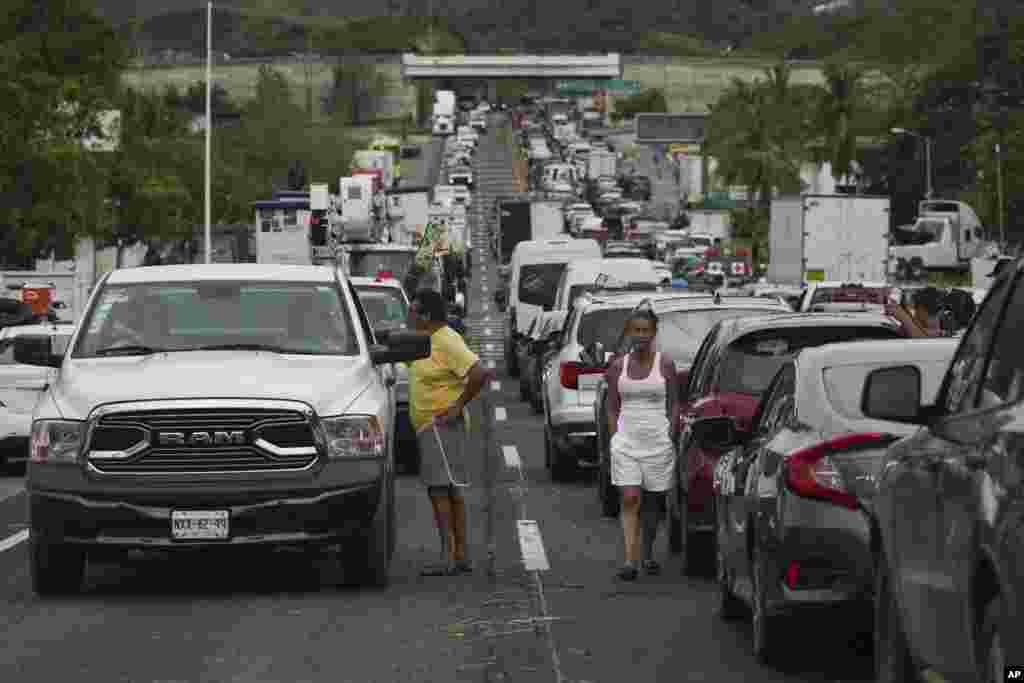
(432, 305)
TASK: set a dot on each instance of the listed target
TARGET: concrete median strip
(11, 541)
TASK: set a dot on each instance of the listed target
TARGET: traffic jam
(509, 407)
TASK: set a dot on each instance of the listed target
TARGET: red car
(734, 366)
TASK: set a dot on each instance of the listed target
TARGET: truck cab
(946, 236)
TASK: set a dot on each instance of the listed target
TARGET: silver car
(218, 405)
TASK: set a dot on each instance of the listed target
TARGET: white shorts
(653, 474)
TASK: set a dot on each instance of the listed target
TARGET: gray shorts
(433, 470)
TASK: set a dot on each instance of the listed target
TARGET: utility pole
(209, 129)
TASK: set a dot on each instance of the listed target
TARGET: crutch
(444, 455)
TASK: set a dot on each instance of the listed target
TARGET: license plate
(815, 276)
(188, 525)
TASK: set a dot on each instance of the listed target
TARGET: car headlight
(56, 441)
(353, 436)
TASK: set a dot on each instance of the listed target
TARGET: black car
(792, 535)
(949, 506)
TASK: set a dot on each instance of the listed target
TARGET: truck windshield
(384, 306)
(370, 263)
(302, 318)
(931, 230)
(538, 283)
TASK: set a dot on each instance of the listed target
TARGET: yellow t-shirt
(436, 382)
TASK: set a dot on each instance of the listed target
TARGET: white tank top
(643, 429)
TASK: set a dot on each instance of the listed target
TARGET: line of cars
(828, 467)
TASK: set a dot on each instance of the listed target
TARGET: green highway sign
(590, 86)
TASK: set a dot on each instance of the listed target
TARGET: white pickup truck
(946, 236)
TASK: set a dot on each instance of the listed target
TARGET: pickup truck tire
(57, 568)
(368, 558)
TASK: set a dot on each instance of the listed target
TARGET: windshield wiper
(249, 347)
(129, 350)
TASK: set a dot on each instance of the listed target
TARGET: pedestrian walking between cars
(642, 421)
(440, 389)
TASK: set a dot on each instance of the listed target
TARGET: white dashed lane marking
(512, 459)
(532, 546)
(500, 414)
(495, 385)
(489, 364)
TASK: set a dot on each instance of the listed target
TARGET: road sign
(670, 128)
(590, 86)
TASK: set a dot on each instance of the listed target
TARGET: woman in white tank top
(642, 420)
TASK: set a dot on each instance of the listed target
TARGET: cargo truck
(547, 220)
(843, 238)
(947, 235)
(408, 210)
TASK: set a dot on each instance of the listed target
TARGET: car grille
(263, 431)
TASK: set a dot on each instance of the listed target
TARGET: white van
(536, 268)
(581, 276)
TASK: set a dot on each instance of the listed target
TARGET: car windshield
(538, 283)
(306, 318)
(680, 333)
(848, 295)
(750, 363)
(384, 306)
(371, 263)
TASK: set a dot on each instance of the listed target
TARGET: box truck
(819, 238)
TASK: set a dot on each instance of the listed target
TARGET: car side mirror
(715, 433)
(893, 394)
(401, 347)
(37, 350)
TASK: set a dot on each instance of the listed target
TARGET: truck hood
(328, 383)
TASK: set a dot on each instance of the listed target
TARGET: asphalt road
(267, 618)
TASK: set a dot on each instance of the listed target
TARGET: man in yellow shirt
(440, 388)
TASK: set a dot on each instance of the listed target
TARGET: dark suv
(949, 509)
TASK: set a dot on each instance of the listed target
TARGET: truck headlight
(353, 436)
(56, 441)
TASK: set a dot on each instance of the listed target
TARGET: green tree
(841, 103)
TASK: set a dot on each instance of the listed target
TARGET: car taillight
(811, 473)
(570, 371)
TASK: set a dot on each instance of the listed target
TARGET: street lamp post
(927, 157)
(209, 128)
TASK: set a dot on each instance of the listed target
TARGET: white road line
(485, 308)
(495, 385)
(14, 540)
(500, 414)
(488, 347)
(487, 330)
(489, 364)
(531, 545)
(512, 458)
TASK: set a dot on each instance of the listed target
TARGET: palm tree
(843, 99)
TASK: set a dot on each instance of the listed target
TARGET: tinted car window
(539, 282)
(1004, 375)
(750, 363)
(965, 372)
(384, 306)
(605, 326)
(370, 263)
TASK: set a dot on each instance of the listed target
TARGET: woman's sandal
(652, 568)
